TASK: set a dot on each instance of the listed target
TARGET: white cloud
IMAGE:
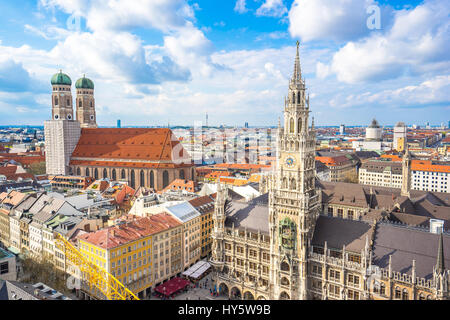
(329, 19)
(240, 6)
(417, 43)
(272, 8)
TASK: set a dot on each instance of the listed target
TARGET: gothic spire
(297, 70)
(440, 265)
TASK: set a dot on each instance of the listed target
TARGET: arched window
(398, 293)
(181, 174)
(298, 97)
(95, 174)
(142, 178)
(285, 281)
(284, 296)
(132, 180)
(299, 125)
(114, 174)
(91, 104)
(293, 184)
(291, 126)
(105, 173)
(79, 103)
(293, 96)
(78, 171)
(152, 179)
(405, 295)
(87, 172)
(68, 102)
(284, 183)
(284, 266)
(56, 101)
(165, 178)
(122, 176)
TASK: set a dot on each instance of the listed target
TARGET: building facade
(308, 239)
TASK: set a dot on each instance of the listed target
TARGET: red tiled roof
(10, 173)
(148, 144)
(130, 231)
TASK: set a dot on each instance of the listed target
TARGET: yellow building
(125, 250)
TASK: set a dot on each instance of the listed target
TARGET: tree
(37, 168)
(351, 177)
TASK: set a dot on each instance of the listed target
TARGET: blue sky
(160, 61)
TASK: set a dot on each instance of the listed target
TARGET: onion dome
(84, 83)
(61, 78)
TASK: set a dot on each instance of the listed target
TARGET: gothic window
(284, 281)
(405, 295)
(299, 125)
(165, 178)
(284, 296)
(87, 172)
(132, 181)
(79, 103)
(382, 289)
(293, 96)
(142, 178)
(291, 126)
(398, 293)
(78, 172)
(91, 104)
(105, 173)
(68, 102)
(284, 183)
(56, 101)
(298, 97)
(284, 266)
(181, 174)
(114, 177)
(293, 184)
(122, 176)
(152, 179)
(96, 174)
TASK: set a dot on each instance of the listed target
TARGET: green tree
(37, 168)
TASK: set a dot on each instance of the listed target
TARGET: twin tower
(62, 103)
(63, 131)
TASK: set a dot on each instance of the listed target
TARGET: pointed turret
(297, 75)
(440, 265)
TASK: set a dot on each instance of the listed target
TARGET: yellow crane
(96, 278)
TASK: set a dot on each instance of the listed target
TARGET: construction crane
(97, 279)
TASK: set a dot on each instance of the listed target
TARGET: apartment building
(126, 250)
(430, 176)
(381, 172)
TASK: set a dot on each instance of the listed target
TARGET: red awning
(172, 286)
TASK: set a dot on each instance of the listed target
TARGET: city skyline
(230, 60)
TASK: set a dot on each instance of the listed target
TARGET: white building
(399, 136)
(381, 173)
(430, 176)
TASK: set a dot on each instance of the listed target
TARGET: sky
(156, 62)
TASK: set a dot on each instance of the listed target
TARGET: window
(398, 293)
(4, 268)
(330, 211)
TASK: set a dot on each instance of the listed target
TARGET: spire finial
(440, 265)
(297, 72)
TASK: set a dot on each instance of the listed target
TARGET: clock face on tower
(290, 161)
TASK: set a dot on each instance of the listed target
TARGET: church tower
(294, 202)
(62, 108)
(85, 103)
(217, 252)
(406, 174)
(62, 131)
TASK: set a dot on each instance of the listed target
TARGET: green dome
(84, 83)
(61, 78)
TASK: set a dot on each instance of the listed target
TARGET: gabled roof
(147, 144)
